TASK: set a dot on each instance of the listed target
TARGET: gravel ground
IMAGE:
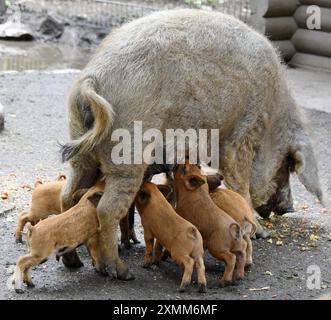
(35, 122)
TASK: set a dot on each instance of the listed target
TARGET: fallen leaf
(269, 240)
(305, 206)
(279, 243)
(268, 273)
(313, 237)
(4, 195)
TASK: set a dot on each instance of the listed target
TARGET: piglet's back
(160, 217)
(73, 226)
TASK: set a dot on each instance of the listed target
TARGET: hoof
(102, 272)
(19, 240)
(237, 280)
(202, 288)
(147, 265)
(262, 235)
(72, 261)
(282, 211)
(30, 284)
(127, 245)
(183, 287)
(126, 276)
(20, 291)
(226, 283)
(248, 266)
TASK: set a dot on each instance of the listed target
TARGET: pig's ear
(165, 190)
(214, 181)
(95, 198)
(305, 165)
(143, 196)
(194, 182)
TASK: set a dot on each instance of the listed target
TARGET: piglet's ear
(78, 194)
(143, 196)
(95, 198)
(194, 182)
(214, 181)
(165, 190)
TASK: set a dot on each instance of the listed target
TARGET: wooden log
(313, 42)
(269, 8)
(301, 16)
(280, 8)
(280, 28)
(310, 60)
(258, 10)
(321, 3)
(286, 49)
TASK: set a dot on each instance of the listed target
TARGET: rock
(51, 27)
(14, 29)
(2, 118)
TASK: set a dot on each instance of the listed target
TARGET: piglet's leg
(94, 250)
(249, 252)
(132, 233)
(83, 174)
(149, 242)
(125, 237)
(157, 252)
(239, 271)
(22, 220)
(187, 262)
(200, 266)
(22, 269)
(230, 262)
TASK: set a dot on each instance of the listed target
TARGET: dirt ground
(35, 123)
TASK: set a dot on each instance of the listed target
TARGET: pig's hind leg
(84, 173)
(122, 184)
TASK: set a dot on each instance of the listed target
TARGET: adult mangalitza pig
(187, 69)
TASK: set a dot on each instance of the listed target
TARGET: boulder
(50, 26)
(14, 29)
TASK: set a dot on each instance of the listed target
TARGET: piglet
(175, 234)
(221, 234)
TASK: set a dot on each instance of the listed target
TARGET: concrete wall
(285, 23)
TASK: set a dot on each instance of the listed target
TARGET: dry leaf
(279, 243)
(4, 195)
(313, 237)
(259, 289)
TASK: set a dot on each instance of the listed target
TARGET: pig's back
(171, 63)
